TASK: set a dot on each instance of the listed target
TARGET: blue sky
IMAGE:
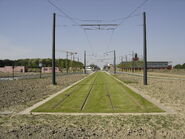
(26, 27)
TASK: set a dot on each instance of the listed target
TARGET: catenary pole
(67, 62)
(73, 65)
(85, 62)
(114, 62)
(132, 61)
(126, 62)
(144, 50)
(13, 67)
(53, 51)
(122, 64)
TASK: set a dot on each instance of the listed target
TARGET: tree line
(129, 64)
(138, 64)
(179, 66)
(46, 62)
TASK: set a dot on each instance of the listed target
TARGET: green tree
(178, 66)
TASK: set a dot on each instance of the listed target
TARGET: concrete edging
(28, 110)
(96, 114)
(167, 110)
(152, 100)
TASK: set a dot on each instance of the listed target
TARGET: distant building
(150, 65)
(10, 69)
(49, 69)
(158, 65)
(88, 69)
(108, 67)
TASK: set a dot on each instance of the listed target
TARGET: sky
(26, 29)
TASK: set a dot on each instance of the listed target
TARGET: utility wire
(127, 17)
(87, 37)
(121, 22)
(64, 13)
(132, 12)
(73, 20)
(110, 39)
(102, 20)
(112, 20)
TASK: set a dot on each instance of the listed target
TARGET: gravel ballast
(167, 92)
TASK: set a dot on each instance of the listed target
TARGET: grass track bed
(99, 93)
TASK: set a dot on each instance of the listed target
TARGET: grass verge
(99, 93)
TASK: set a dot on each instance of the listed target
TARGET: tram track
(90, 90)
(108, 95)
(76, 87)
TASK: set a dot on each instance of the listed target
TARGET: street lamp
(40, 66)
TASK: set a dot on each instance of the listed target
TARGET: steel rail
(76, 87)
(85, 101)
(108, 95)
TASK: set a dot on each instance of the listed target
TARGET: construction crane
(72, 54)
(68, 52)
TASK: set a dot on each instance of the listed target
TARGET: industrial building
(10, 69)
(158, 65)
(138, 65)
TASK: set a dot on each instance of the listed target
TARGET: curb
(152, 100)
(28, 110)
